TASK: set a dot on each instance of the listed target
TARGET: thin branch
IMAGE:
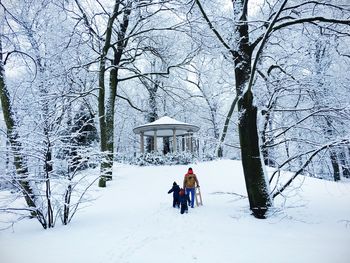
(342, 142)
(74, 210)
(301, 21)
(130, 103)
(23, 53)
(227, 122)
(261, 47)
(211, 26)
(301, 120)
(310, 20)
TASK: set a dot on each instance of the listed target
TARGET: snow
(166, 126)
(166, 120)
(133, 220)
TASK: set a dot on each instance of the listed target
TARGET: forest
(267, 82)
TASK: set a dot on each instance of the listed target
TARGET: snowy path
(133, 221)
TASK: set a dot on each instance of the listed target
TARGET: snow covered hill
(133, 220)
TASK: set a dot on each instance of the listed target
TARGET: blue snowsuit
(184, 199)
(176, 199)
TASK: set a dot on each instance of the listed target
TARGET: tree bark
(256, 181)
(152, 114)
(335, 165)
(106, 112)
(253, 166)
(16, 147)
(346, 169)
(345, 163)
(332, 152)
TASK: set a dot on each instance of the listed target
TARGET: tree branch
(130, 103)
(310, 20)
(211, 26)
(262, 45)
(332, 144)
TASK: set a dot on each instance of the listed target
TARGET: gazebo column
(191, 142)
(174, 140)
(188, 143)
(155, 141)
(183, 143)
(142, 143)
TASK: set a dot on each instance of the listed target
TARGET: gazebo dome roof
(165, 127)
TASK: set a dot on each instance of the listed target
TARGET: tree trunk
(256, 181)
(253, 166)
(66, 206)
(16, 147)
(335, 165)
(102, 118)
(345, 163)
(152, 114)
(332, 152)
(108, 164)
(106, 112)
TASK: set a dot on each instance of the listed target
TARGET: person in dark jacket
(184, 198)
(175, 190)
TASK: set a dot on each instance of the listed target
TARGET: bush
(168, 159)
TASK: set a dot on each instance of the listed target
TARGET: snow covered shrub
(209, 157)
(168, 159)
(180, 158)
(124, 158)
(150, 159)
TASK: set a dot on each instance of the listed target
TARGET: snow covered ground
(133, 221)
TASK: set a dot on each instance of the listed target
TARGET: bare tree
(247, 54)
(21, 180)
(124, 43)
(53, 95)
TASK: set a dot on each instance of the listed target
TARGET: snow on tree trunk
(345, 163)
(253, 166)
(152, 114)
(16, 147)
(107, 105)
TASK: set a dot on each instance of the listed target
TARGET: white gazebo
(168, 127)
